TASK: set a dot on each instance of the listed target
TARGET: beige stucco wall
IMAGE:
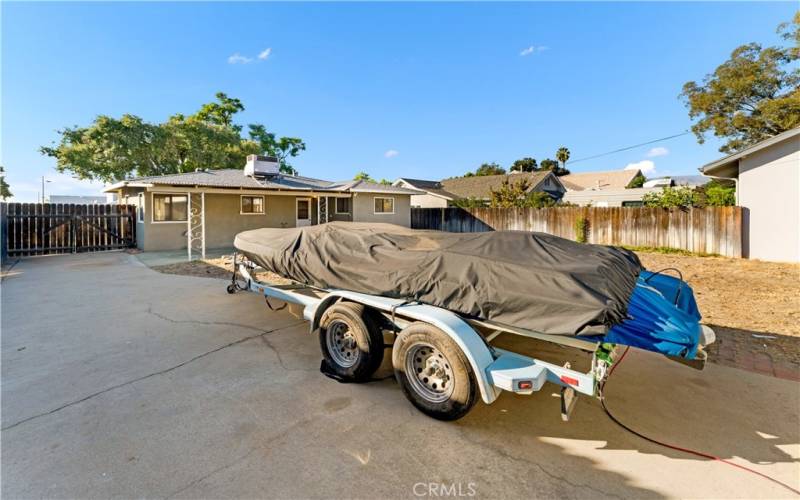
(364, 209)
(769, 187)
(428, 201)
(224, 221)
(606, 197)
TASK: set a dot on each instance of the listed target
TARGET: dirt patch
(215, 268)
(753, 306)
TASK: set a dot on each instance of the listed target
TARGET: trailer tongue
(444, 357)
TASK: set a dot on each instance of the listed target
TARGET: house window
(384, 205)
(252, 205)
(140, 208)
(169, 207)
(547, 182)
(342, 205)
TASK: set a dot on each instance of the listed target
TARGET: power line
(628, 147)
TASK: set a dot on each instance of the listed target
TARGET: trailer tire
(351, 341)
(451, 391)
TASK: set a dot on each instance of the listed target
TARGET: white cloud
(657, 151)
(533, 49)
(239, 59)
(264, 54)
(391, 153)
(646, 166)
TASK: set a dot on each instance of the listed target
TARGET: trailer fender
(477, 352)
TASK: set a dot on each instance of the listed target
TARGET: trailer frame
(495, 369)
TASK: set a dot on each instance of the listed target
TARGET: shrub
(581, 229)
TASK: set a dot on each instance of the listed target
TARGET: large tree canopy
(111, 149)
(752, 96)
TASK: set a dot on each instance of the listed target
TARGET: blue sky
(425, 90)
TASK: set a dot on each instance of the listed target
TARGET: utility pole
(43, 181)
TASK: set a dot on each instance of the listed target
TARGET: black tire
(412, 349)
(363, 329)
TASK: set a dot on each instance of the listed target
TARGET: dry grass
(215, 268)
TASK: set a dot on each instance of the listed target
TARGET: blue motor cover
(662, 317)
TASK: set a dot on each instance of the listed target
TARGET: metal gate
(53, 228)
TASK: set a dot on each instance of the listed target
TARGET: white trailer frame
(496, 369)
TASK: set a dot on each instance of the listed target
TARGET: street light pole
(43, 181)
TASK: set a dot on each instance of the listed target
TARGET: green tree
(753, 95)
(281, 148)
(5, 189)
(221, 112)
(670, 197)
(637, 181)
(526, 164)
(111, 149)
(715, 194)
(490, 169)
(363, 176)
(539, 199)
(562, 155)
(552, 165)
(471, 202)
(510, 194)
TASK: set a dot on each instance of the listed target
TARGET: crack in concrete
(280, 358)
(211, 473)
(503, 453)
(161, 372)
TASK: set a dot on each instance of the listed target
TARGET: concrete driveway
(118, 381)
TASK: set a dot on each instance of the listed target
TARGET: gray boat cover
(529, 280)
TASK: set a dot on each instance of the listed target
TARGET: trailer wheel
(351, 341)
(433, 372)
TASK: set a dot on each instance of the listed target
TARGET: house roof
(480, 186)
(431, 187)
(611, 179)
(718, 165)
(235, 179)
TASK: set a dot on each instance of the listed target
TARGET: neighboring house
(611, 179)
(226, 202)
(481, 186)
(435, 194)
(692, 181)
(604, 189)
(77, 200)
(431, 194)
(768, 178)
(608, 197)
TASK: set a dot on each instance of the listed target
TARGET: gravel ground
(753, 306)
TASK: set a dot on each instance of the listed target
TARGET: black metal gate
(53, 228)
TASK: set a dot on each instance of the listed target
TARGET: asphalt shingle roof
(612, 179)
(480, 186)
(235, 178)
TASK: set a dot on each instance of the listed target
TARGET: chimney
(261, 166)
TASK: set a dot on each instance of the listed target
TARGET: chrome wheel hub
(342, 345)
(429, 373)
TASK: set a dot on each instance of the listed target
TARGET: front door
(303, 212)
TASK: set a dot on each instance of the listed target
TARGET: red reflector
(525, 384)
(569, 380)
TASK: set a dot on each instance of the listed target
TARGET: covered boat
(534, 281)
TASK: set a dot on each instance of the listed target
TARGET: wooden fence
(52, 228)
(714, 230)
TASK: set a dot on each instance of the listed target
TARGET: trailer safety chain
(675, 447)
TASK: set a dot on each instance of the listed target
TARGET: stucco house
(767, 175)
(435, 194)
(604, 189)
(214, 205)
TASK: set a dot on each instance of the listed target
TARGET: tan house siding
(769, 187)
(364, 209)
(428, 201)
